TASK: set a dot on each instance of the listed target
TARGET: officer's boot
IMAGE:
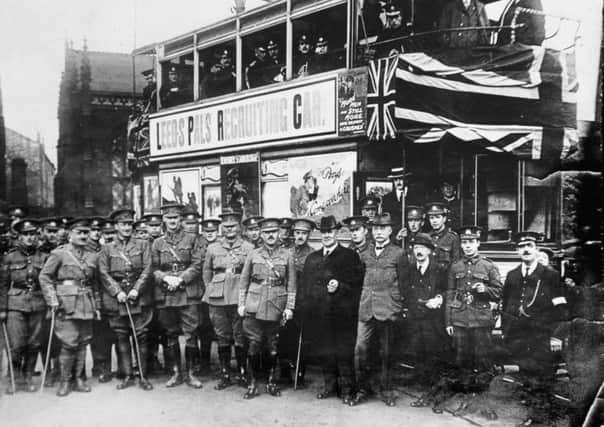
(271, 385)
(143, 347)
(205, 351)
(66, 362)
(191, 354)
(285, 371)
(80, 368)
(224, 357)
(172, 351)
(240, 357)
(253, 368)
(124, 361)
(31, 357)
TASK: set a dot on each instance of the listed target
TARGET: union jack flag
(381, 98)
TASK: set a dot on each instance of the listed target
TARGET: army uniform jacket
(222, 270)
(123, 266)
(67, 279)
(47, 247)
(465, 307)
(176, 254)
(300, 253)
(256, 74)
(446, 247)
(538, 299)
(382, 283)
(19, 286)
(418, 289)
(268, 283)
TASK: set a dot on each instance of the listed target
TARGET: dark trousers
(258, 331)
(103, 338)
(366, 332)
(472, 348)
(337, 354)
(184, 320)
(24, 331)
(228, 325)
(431, 347)
(529, 348)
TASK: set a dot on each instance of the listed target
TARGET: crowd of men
(261, 290)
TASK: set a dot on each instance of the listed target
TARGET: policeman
(358, 232)
(221, 273)
(69, 290)
(22, 305)
(103, 337)
(446, 241)
(108, 231)
(276, 68)
(125, 268)
(267, 294)
(209, 230)
(256, 73)
(154, 224)
(473, 289)
(291, 334)
(285, 232)
(50, 229)
(303, 57)
(176, 265)
(252, 230)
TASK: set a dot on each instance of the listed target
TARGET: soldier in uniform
(369, 207)
(125, 269)
(108, 231)
(141, 231)
(209, 230)
(174, 91)
(285, 233)
(446, 241)
(22, 305)
(221, 79)
(252, 230)
(154, 223)
(49, 235)
(380, 305)
(276, 67)
(303, 57)
(323, 60)
(393, 31)
(67, 282)
(333, 276)
(267, 295)
(176, 264)
(473, 290)
(221, 273)
(358, 232)
(4, 234)
(190, 221)
(256, 73)
(291, 333)
(63, 233)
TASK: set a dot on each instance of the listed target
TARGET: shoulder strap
(270, 265)
(174, 254)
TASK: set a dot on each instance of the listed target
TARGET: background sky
(33, 35)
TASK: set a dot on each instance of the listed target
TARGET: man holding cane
(124, 268)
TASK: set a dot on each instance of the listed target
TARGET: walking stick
(9, 357)
(47, 359)
(298, 357)
(135, 339)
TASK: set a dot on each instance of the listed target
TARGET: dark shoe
(64, 389)
(128, 381)
(389, 399)
(105, 376)
(273, 390)
(191, 357)
(55, 373)
(361, 397)
(224, 357)
(30, 366)
(251, 392)
(224, 381)
(172, 352)
(175, 379)
(81, 386)
(326, 393)
(348, 399)
(145, 384)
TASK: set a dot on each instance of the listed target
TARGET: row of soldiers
(267, 291)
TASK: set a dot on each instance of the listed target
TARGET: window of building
(264, 57)
(177, 81)
(217, 70)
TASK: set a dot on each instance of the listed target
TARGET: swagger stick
(47, 359)
(135, 339)
(9, 357)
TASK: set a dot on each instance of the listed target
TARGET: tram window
(264, 57)
(319, 42)
(217, 70)
(497, 196)
(541, 202)
(177, 81)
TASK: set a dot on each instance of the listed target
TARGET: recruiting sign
(300, 111)
(352, 102)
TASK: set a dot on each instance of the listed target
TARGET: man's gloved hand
(450, 330)
(434, 303)
(332, 286)
(122, 297)
(288, 314)
(133, 294)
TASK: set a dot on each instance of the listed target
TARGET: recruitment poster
(240, 183)
(181, 186)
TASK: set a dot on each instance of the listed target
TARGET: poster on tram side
(181, 186)
(240, 183)
(352, 102)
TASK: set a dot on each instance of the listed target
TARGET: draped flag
(514, 98)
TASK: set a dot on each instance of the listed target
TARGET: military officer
(209, 230)
(446, 241)
(67, 282)
(285, 232)
(267, 295)
(174, 92)
(323, 60)
(221, 78)
(140, 230)
(380, 305)
(190, 221)
(358, 226)
(154, 224)
(63, 233)
(303, 57)
(103, 337)
(124, 269)
(256, 73)
(369, 207)
(473, 290)
(22, 305)
(176, 265)
(221, 273)
(108, 231)
(252, 230)
(276, 67)
(49, 235)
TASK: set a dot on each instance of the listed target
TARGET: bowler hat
(329, 223)
(422, 239)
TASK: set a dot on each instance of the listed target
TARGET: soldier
(108, 231)
(125, 268)
(291, 334)
(267, 294)
(323, 59)
(174, 91)
(141, 231)
(252, 230)
(446, 241)
(393, 30)
(424, 291)
(103, 337)
(256, 73)
(276, 67)
(69, 290)
(448, 194)
(369, 207)
(176, 265)
(154, 223)
(379, 307)
(209, 230)
(358, 232)
(414, 224)
(22, 305)
(190, 221)
(4, 234)
(303, 57)
(49, 235)
(334, 276)
(221, 273)
(285, 233)
(473, 289)
(63, 233)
